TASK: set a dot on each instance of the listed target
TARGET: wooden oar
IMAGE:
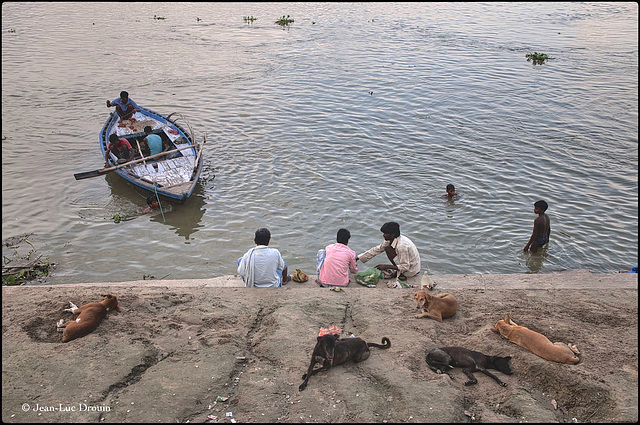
(103, 171)
(140, 150)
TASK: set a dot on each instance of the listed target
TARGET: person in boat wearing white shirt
(400, 250)
(262, 266)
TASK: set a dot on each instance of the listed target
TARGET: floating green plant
(198, 19)
(158, 18)
(21, 268)
(285, 20)
(117, 218)
(537, 58)
(34, 271)
(249, 18)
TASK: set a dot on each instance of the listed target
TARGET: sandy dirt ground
(212, 351)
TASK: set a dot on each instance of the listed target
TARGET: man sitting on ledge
(262, 266)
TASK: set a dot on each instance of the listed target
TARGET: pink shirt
(338, 260)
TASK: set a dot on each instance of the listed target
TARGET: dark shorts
(541, 240)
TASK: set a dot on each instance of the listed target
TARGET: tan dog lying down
(437, 307)
(537, 343)
(89, 317)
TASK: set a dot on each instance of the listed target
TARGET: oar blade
(89, 174)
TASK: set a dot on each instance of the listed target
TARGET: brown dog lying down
(89, 317)
(332, 351)
(436, 306)
(537, 343)
(442, 359)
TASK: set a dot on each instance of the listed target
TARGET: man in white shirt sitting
(262, 266)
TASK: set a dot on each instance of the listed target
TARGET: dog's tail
(385, 343)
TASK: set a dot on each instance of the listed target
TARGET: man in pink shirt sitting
(339, 259)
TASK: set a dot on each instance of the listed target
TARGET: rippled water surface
(354, 115)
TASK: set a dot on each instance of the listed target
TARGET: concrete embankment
(210, 350)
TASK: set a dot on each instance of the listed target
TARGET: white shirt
(259, 267)
(407, 259)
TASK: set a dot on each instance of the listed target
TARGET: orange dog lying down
(89, 317)
(537, 343)
(437, 307)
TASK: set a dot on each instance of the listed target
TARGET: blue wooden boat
(173, 173)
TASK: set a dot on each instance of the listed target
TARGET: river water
(351, 116)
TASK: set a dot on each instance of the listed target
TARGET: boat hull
(173, 176)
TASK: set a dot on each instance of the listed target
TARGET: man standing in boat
(125, 107)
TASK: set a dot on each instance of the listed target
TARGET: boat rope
(155, 189)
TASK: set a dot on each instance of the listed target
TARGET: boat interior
(141, 149)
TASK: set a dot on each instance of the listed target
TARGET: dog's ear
(507, 319)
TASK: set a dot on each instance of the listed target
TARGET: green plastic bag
(369, 277)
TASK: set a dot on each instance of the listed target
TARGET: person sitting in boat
(125, 107)
(153, 141)
(120, 147)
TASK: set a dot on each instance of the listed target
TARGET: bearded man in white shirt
(400, 250)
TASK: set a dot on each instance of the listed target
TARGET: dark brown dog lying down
(440, 360)
(332, 351)
(89, 317)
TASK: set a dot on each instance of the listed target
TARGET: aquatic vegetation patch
(285, 20)
(537, 58)
(117, 218)
(20, 267)
(159, 18)
(249, 19)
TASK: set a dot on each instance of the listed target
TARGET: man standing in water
(541, 228)
(400, 250)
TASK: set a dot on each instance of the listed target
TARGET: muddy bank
(189, 350)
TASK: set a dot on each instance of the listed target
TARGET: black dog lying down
(331, 351)
(442, 359)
